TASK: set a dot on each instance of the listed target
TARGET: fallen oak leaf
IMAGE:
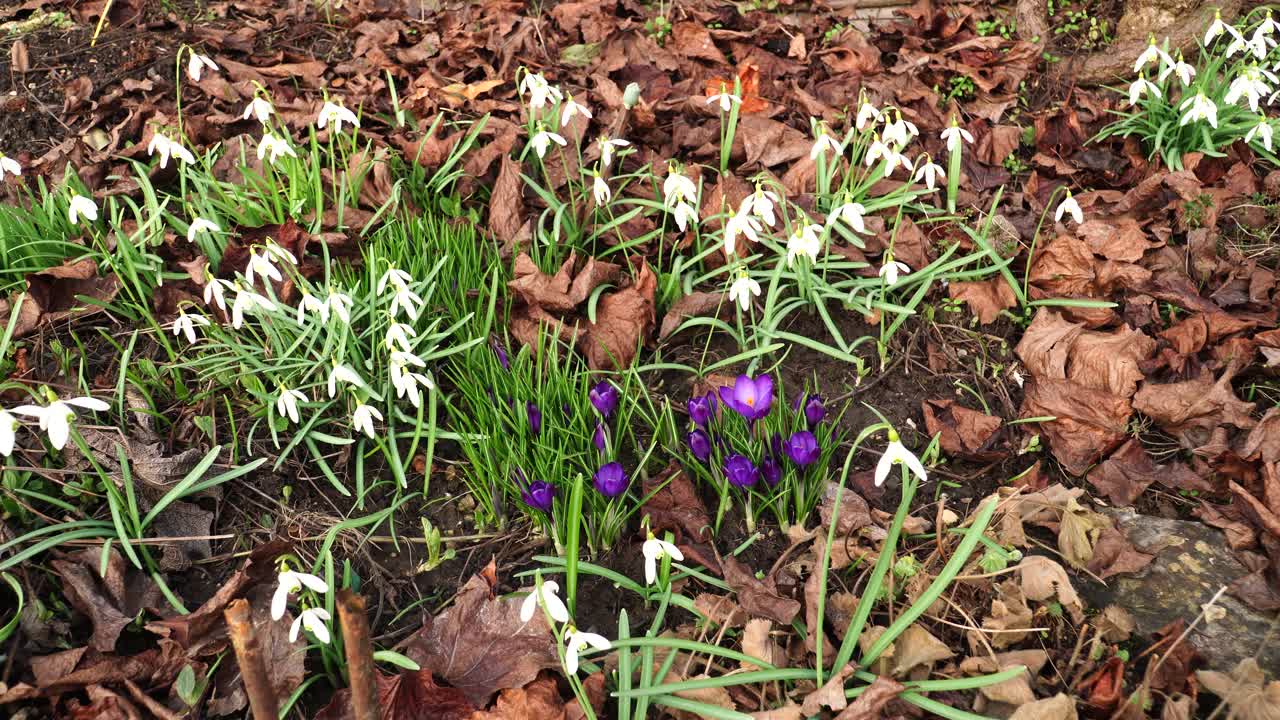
(407, 696)
(758, 597)
(871, 702)
(830, 695)
(111, 600)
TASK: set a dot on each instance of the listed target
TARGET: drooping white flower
(740, 224)
(654, 550)
(760, 203)
(1141, 86)
(1217, 27)
(928, 171)
(289, 582)
(572, 107)
(1255, 45)
(215, 289)
(1153, 53)
(725, 99)
(342, 373)
(685, 215)
(608, 148)
(313, 619)
(260, 108)
(1071, 207)
(1251, 84)
(56, 417)
(1268, 25)
(742, 289)
(310, 303)
(878, 150)
(340, 303)
(408, 301)
(891, 269)
(898, 130)
(538, 90)
(394, 278)
(81, 207)
(400, 336)
(1184, 70)
(273, 147)
(1262, 131)
(287, 406)
(867, 113)
(954, 134)
(851, 213)
(898, 453)
(261, 264)
(199, 225)
(196, 64)
(678, 188)
(600, 190)
(10, 166)
(278, 252)
(1261, 41)
(8, 432)
(546, 597)
(335, 113)
(1200, 108)
(186, 324)
(805, 240)
(362, 418)
(164, 147)
(575, 640)
(824, 143)
(246, 301)
(407, 382)
(543, 139)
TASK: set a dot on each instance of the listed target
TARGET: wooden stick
(359, 650)
(253, 669)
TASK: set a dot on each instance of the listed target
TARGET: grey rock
(1192, 563)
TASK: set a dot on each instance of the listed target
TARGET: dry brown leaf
(1115, 239)
(985, 298)
(757, 643)
(1114, 554)
(1193, 408)
(112, 600)
(964, 433)
(1058, 707)
(624, 319)
(1089, 422)
(869, 704)
(1043, 579)
(1246, 691)
(539, 700)
(674, 504)
(758, 597)
(720, 610)
(1079, 529)
(411, 696)
(854, 513)
(917, 646)
(830, 695)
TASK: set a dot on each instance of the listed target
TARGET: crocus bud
(771, 470)
(535, 417)
(600, 437)
(501, 352)
(604, 397)
(611, 480)
(802, 448)
(631, 95)
(539, 495)
(702, 409)
(740, 472)
(700, 445)
(814, 410)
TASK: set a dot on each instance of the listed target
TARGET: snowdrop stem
(729, 129)
(953, 176)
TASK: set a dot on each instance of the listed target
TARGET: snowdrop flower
(334, 113)
(740, 224)
(8, 434)
(867, 113)
(678, 187)
(898, 453)
(313, 619)
(891, 269)
(1250, 84)
(575, 640)
(259, 108)
(542, 139)
(685, 215)
(287, 406)
(311, 303)
(545, 596)
(608, 148)
(1269, 24)
(344, 374)
(929, 171)
(1141, 86)
(852, 214)
(1256, 45)
(600, 190)
(199, 225)
(805, 240)
(725, 98)
(81, 207)
(399, 335)
(362, 418)
(10, 166)
(1201, 108)
(247, 300)
(261, 264)
(538, 90)
(1153, 53)
(196, 65)
(1181, 68)
(340, 303)
(760, 203)
(899, 131)
(186, 324)
(880, 151)
(165, 147)
(571, 108)
(289, 582)
(824, 143)
(1069, 206)
(403, 359)
(1217, 27)
(215, 290)
(1262, 130)
(278, 252)
(55, 418)
(394, 277)
(654, 550)
(1261, 41)
(406, 382)
(408, 301)
(274, 146)
(742, 289)
(954, 134)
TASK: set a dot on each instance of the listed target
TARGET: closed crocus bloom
(600, 438)
(770, 471)
(604, 397)
(802, 447)
(814, 410)
(611, 480)
(534, 413)
(702, 409)
(750, 398)
(740, 471)
(700, 445)
(539, 495)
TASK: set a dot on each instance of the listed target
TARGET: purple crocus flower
(611, 480)
(740, 472)
(814, 410)
(702, 409)
(539, 495)
(802, 448)
(600, 437)
(535, 417)
(771, 470)
(604, 397)
(749, 398)
(501, 352)
(700, 445)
